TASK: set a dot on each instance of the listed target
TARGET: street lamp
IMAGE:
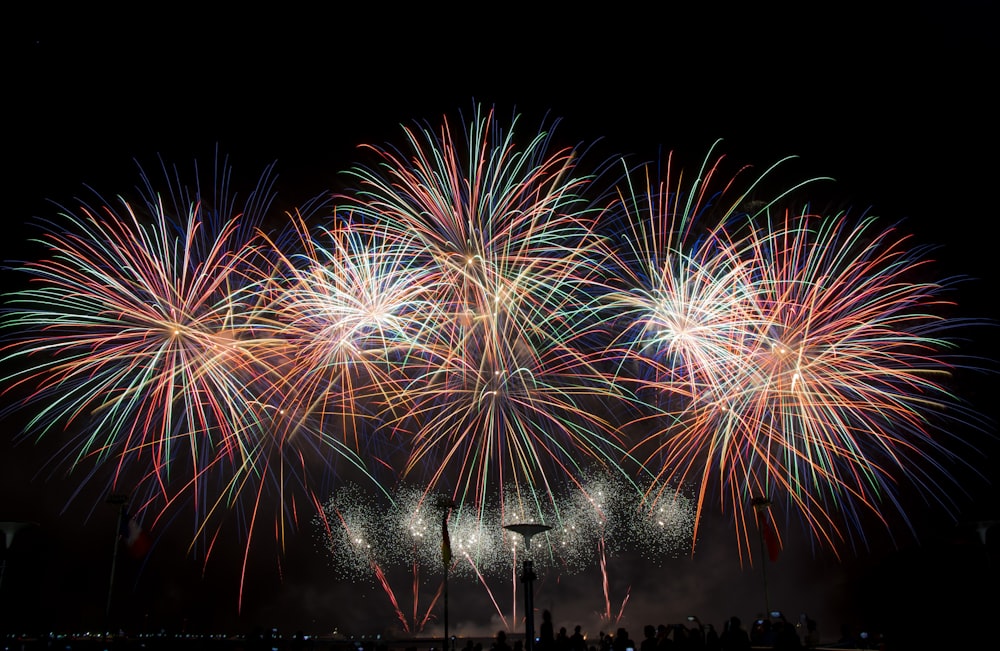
(445, 505)
(528, 577)
(117, 500)
(9, 530)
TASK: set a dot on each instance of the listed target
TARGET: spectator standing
(546, 637)
(734, 637)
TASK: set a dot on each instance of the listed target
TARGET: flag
(768, 529)
(771, 539)
(445, 542)
(137, 540)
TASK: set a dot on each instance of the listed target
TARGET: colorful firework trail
(796, 360)
(480, 314)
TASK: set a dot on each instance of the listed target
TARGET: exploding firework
(135, 334)
(143, 337)
(798, 361)
(513, 395)
(352, 306)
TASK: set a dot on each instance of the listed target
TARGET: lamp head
(527, 530)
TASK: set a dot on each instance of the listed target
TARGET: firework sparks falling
(374, 537)
(352, 304)
(846, 395)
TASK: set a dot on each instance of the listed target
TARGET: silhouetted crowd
(770, 632)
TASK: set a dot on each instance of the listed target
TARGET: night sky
(898, 108)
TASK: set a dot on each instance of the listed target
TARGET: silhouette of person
(605, 642)
(500, 642)
(663, 639)
(682, 638)
(576, 640)
(696, 635)
(711, 638)
(649, 641)
(562, 639)
(621, 641)
(786, 638)
(812, 633)
(762, 633)
(546, 633)
(734, 637)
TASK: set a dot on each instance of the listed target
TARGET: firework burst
(135, 333)
(512, 395)
(796, 360)
(143, 345)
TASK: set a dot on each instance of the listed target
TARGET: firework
(798, 361)
(134, 333)
(377, 536)
(351, 304)
(143, 345)
(510, 393)
(846, 395)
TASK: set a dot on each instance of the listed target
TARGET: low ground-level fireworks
(372, 537)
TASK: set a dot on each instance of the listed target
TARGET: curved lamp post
(528, 578)
(119, 501)
(10, 530)
(445, 505)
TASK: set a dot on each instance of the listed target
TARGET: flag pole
(119, 500)
(761, 505)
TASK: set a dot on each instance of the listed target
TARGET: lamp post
(118, 500)
(9, 530)
(445, 505)
(528, 577)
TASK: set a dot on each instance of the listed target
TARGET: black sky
(898, 107)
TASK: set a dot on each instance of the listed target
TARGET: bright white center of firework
(378, 314)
